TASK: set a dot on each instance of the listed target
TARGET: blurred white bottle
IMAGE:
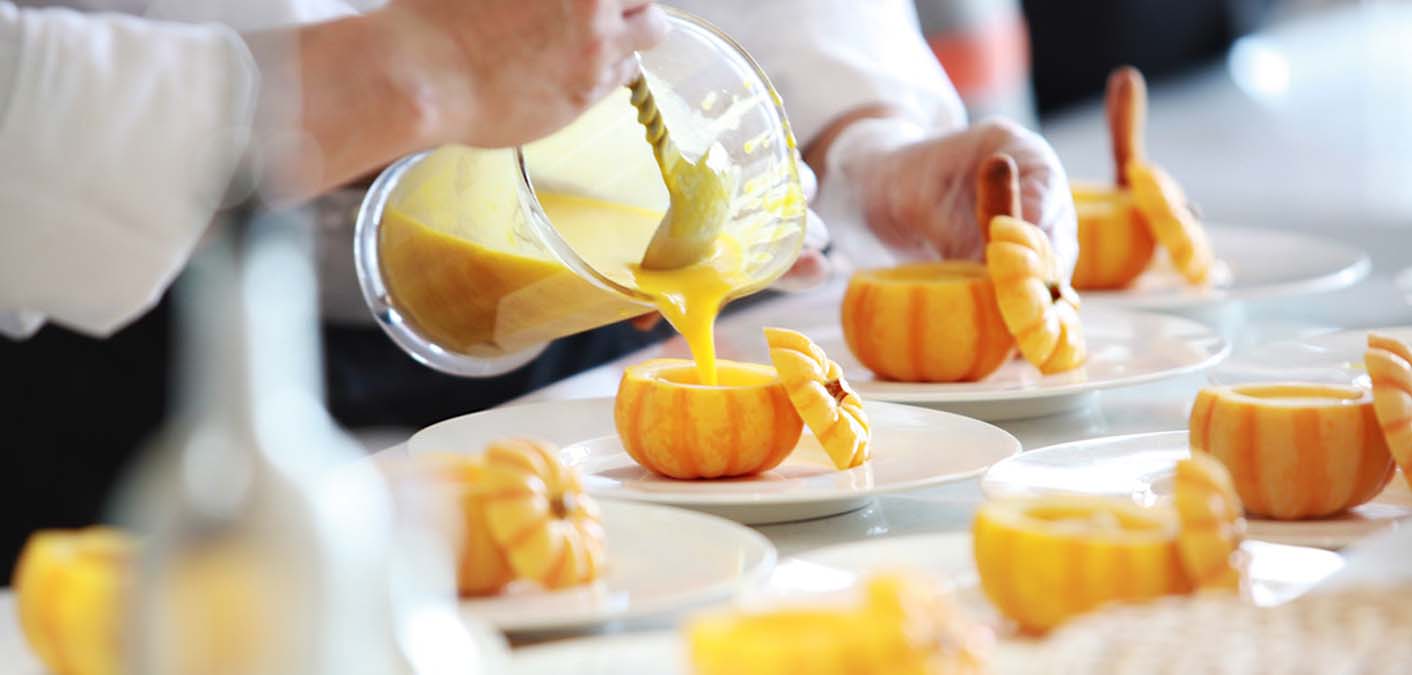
(269, 546)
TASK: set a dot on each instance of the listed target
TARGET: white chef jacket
(118, 136)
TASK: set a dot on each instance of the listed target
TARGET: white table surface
(1329, 153)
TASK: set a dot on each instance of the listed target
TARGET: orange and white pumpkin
(1212, 522)
(1294, 450)
(902, 625)
(1389, 363)
(926, 322)
(519, 513)
(821, 396)
(673, 425)
(70, 592)
(548, 529)
(1164, 206)
(1045, 560)
(1115, 243)
(1038, 307)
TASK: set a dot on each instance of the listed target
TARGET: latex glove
(514, 71)
(915, 193)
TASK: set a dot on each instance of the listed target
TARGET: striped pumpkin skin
(1294, 450)
(1212, 522)
(481, 565)
(1389, 363)
(1167, 212)
(1040, 573)
(822, 397)
(72, 592)
(926, 322)
(1037, 306)
(669, 424)
(1115, 243)
(549, 531)
(521, 514)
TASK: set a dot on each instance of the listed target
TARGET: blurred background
(1227, 111)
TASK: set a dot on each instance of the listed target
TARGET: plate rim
(718, 590)
(1039, 392)
(987, 486)
(1321, 340)
(1265, 530)
(1341, 278)
(662, 499)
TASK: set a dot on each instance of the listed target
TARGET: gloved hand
(916, 193)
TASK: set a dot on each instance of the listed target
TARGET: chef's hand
(919, 197)
(343, 97)
(512, 71)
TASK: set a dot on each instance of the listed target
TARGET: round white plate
(1254, 264)
(1331, 358)
(1125, 349)
(912, 448)
(1140, 466)
(1278, 573)
(660, 561)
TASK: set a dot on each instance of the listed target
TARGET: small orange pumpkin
(821, 395)
(1164, 206)
(1294, 450)
(1389, 363)
(1212, 522)
(1039, 308)
(1115, 243)
(674, 426)
(521, 514)
(1044, 560)
(70, 592)
(926, 322)
(547, 528)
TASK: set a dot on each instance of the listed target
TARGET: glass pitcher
(464, 269)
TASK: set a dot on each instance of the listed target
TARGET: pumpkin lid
(1212, 522)
(1160, 200)
(822, 397)
(537, 512)
(1037, 305)
(1389, 363)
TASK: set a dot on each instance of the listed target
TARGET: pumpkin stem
(997, 190)
(835, 389)
(562, 505)
(1126, 106)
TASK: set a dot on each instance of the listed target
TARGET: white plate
(912, 448)
(1125, 349)
(1256, 264)
(660, 561)
(1140, 466)
(1278, 573)
(1331, 358)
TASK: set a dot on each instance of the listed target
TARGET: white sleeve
(118, 138)
(827, 57)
